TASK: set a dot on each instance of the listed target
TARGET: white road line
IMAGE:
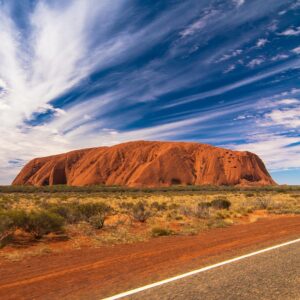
(152, 285)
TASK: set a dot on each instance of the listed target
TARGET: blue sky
(77, 74)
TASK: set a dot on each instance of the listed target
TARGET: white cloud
(239, 3)
(59, 41)
(296, 50)
(2, 84)
(273, 26)
(229, 69)
(289, 118)
(289, 101)
(283, 12)
(295, 5)
(234, 53)
(255, 62)
(275, 135)
(291, 32)
(261, 42)
(294, 91)
(243, 117)
(274, 150)
(279, 57)
(199, 24)
(235, 85)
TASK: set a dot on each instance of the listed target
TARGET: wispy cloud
(229, 69)
(296, 50)
(199, 24)
(279, 57)
(289, 101)
(233, 86)
(291, 32)
(261, 42)
(279, 148)
(289, 118)
(239, 3)
(230, 55)
(274, 150)
(256, 62)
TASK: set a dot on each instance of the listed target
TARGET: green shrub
(84, 211)
(10, 220)
(37, 223)
(157, 231)
(40, 223)
(76, 212)
(19, 218)
(61, 210)
(220, 203)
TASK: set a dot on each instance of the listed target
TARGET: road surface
(271, 275)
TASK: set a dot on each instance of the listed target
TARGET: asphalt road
(271, 275)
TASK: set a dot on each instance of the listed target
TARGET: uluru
(147, 164)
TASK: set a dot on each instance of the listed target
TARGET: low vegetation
(157, 231)
(109, 215)
(37, 223)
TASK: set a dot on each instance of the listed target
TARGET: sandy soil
(92, 273)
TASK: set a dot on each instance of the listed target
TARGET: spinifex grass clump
(140, 212)
(202, 210)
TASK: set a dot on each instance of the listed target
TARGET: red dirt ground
(92, 273)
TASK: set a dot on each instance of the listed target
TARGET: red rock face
(147, 164)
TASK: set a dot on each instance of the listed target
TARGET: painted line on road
(158, 283)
